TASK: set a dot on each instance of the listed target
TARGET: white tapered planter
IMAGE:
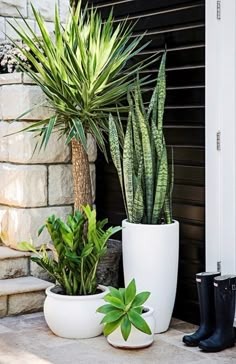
(151, 255)
(74, 317)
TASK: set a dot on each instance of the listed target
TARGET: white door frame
(221, 122)
(221, 125)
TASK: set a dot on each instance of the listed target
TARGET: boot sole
(192, 345)
(215, 350)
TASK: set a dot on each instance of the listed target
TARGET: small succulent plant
(124, 309)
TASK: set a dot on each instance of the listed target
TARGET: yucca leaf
(80, 132)
(83, 70)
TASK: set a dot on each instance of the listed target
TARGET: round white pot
(136, 339)
(74, 317)
(150, 255)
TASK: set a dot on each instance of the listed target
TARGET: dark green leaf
(139, 322)
(125, 328)
(130, 292)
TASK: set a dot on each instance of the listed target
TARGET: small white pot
(74, 317)
(136, 339)
(150, 255)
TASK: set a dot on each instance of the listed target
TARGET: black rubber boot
(205, 290)
(224, 335)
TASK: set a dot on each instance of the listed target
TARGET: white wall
(9, 10)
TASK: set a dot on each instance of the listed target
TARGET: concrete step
(22, 295)
(13, 263)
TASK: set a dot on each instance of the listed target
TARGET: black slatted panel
(179, 24)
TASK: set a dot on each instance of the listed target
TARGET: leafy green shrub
(124, 310)
(143, 171)
(78, 246)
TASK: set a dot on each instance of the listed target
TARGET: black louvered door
(180, 25)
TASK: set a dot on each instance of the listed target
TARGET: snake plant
(142, 166)
(78, 246)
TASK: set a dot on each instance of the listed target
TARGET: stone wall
(32, 185)
(9, 10)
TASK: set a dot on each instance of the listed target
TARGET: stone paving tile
(26, 339)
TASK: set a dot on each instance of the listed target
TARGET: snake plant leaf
(136, 133)
(168, 198)
(161, 80)
(161, 187)
(115, 154)
(147, 184)
(128, 170)
(138, 210)
(157, 136)
(148, 161)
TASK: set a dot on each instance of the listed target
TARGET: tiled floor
(27, 340)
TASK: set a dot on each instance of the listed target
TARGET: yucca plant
(143, 171)
(78, 245)
(84, 74)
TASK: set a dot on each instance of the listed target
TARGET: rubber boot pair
(217, 310)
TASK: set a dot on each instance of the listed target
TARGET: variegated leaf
(128, 170)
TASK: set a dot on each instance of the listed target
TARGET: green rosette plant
(77, 245)
(124, 309)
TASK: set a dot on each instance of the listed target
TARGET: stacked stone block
(9, 10)
(33, 185)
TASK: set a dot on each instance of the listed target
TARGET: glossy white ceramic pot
(151, 255)
(74, 317)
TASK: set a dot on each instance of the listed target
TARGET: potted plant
(150, 236)
(78, 244)
(81, 72)
(127, 323)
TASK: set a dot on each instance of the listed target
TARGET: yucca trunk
(81, 176)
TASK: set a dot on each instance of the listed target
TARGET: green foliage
(124, 310)
(78, 245)
(143, 171)
(80, 70)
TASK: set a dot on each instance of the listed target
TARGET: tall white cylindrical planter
(151, 255)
